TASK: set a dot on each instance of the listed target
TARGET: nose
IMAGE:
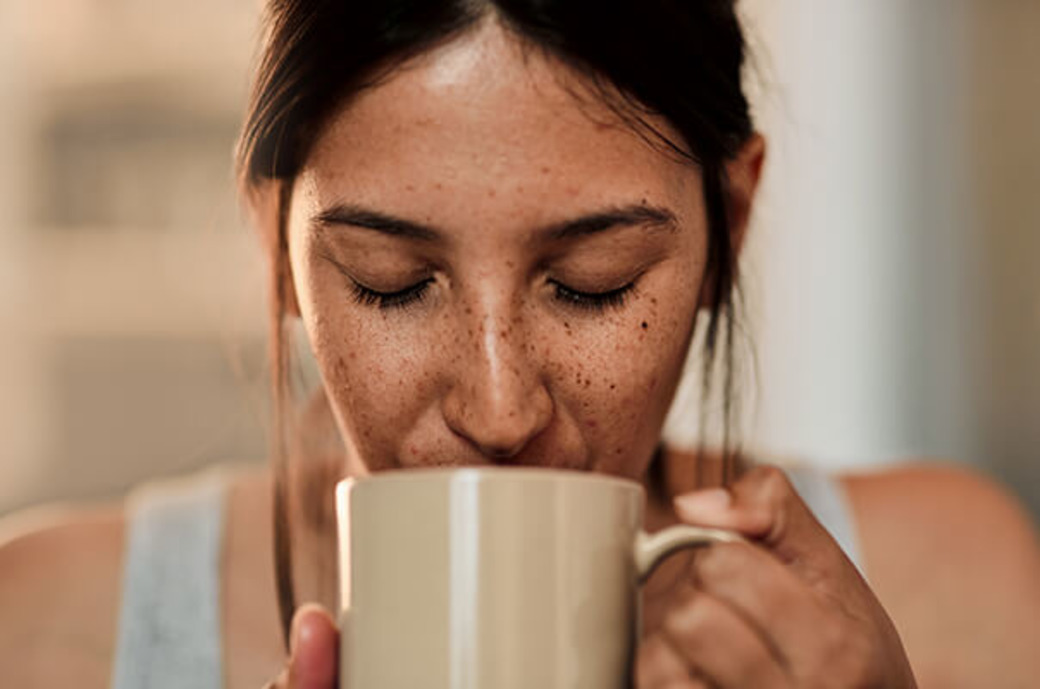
(498, 400)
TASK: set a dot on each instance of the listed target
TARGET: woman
(497, 223)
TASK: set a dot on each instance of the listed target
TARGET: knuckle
(657, 664)
(721, 560)
(689, 621)
(767, 492)
(833, 636)
(848, 653)
(756, 665)
(859, 659)
(774, 485)
(653, 652)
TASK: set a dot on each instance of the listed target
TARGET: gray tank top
(169, 626)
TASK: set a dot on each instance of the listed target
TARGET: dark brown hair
(678, 59)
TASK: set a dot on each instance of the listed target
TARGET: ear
(267, 207)
(743, 174)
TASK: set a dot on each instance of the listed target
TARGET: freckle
(613, 386)
(545, 170)
(409, 187)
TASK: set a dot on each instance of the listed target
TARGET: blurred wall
(1004, 140)
(895, 310)
(130, 291)
(832, 256)
(862, 275)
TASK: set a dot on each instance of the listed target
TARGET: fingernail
(704, 502)
(294, 632)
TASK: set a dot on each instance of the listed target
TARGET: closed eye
(592, 301)
(400, 299)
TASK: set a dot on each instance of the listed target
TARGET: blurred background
(894, 304)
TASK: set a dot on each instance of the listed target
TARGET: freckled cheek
(618, 383)
(379, 385)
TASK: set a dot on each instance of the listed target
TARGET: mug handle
(651, 549)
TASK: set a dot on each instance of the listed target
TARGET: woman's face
(493, 270)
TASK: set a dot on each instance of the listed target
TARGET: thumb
(314, 649)
(763, 506)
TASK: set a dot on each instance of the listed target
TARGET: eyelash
(594, 301)
(392, 300)
(586, 301)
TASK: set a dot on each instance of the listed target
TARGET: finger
(314, 649)
(660, 666)
(718, 643)
(784, 611)
(764, 506)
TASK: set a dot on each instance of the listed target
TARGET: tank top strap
(825, 496)
(169, 625)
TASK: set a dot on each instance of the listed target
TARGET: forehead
(482, 118)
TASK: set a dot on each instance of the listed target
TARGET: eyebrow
(651, 217)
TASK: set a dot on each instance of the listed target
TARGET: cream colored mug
(494, 578)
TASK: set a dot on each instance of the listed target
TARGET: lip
(525, 461)
(420, 462)
(467, 473)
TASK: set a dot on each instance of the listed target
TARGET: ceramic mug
(495, 578)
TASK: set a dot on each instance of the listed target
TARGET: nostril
(500, 440)
(504, 456)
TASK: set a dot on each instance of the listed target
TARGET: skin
(493, 365)
(492, 368)
(483, 354)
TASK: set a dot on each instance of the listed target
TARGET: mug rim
(473, 474)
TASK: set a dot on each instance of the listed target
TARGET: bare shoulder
(949, 515)
(955, 560)
(60, 576)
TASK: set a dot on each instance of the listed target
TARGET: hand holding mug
(787, 610)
